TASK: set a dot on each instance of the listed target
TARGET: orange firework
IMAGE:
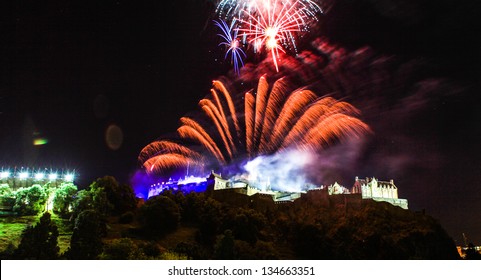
(274, 119)
(162, 154)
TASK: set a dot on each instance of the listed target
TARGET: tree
(122, 249)
(5, 190)
(210, 221)
(120, 196)
(64, 197)
(82, 201)
(247, 224)
(192, 250)
(224, 247)
(39, 242)
(31, 200)
(7, 196)
(86, 242)
(191, 207)
(93, 198)
(160, 214)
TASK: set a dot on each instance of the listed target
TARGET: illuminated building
(369, 188)
(372, 188)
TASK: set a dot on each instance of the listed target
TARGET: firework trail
(274, 120)
(270, 25)
(229, 9)
(163, 154)
(233, 45)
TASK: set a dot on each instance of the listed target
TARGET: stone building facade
(372, 188)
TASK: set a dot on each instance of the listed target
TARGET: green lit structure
(13, 179)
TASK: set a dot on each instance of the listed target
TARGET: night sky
(70, 70)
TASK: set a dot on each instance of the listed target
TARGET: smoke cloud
(300, 170)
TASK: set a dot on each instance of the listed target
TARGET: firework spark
(229, 9)
(270, 25)
(163, 154)
(274, 120)
(232, 44)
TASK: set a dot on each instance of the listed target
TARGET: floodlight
(69, 177)
(4, 174)
(52, 176)
(39, 176)
(23, 175)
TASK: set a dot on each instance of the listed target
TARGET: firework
(162, 154)
(230, 9)
(274, 120)
(232, 44)
(270, 25)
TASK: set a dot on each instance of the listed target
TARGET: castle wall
(403, 203)
(232, 197)
(220, 184)
(251, 191)
(317, 197)
(353, 201)
(262, 202)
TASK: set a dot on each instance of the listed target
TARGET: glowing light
(231, 43)
(273, 121)
(276, 24)
(69, 177)
(4, 174)
(53, 176)
(39, 176)
(23, 175)
(192, 179)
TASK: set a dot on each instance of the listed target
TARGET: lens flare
(273, 120)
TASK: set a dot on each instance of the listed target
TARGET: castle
(369, 188)
(372, 188)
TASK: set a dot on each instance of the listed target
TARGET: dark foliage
(224, 248)
(375, 230)
(150, 249)
(210, 221)
(191, 207)
(260, 251)
(39, 242)
(191, 250)
(86, 242)
(308, 230)
(127, 217)
(120, 196)
(159, 215)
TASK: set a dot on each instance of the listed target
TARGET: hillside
(229, 225)
(214, 229)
